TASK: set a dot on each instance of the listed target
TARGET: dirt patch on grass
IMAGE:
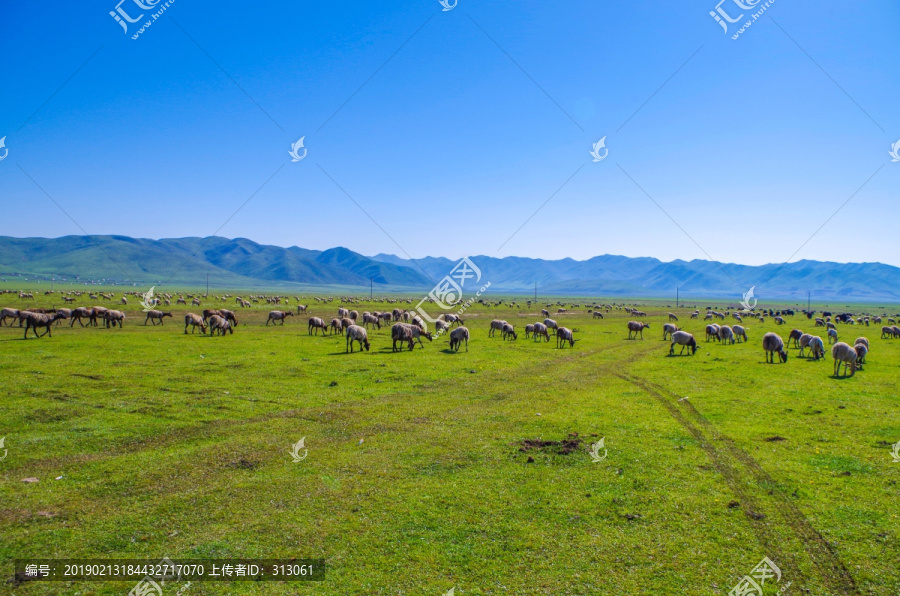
(775, 438)
(564, 447)
(243, 464)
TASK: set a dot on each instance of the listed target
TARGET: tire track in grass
(728, 462)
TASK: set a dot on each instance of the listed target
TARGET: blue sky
(452, 128)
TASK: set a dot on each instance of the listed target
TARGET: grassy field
(426, 470)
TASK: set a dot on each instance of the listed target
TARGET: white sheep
(843, 353)
(457, 336)
(637, 327)
(564, 335)
(355, 333)
(817, 347)
(685, 340)
(195, 321)
(726, 335)
(669, 329)
(278, 315)
(739, 333)
(773, 344)
(832, 336)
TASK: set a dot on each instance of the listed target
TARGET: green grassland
(417, 477)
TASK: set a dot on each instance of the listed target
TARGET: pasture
(430, 470)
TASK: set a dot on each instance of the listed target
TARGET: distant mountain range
(241, 263)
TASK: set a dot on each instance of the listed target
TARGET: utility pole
(676, 296)
(207, 285)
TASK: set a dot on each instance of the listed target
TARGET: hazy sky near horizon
(459, 131)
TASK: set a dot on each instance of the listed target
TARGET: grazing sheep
(441, 326)
(887, 331)
(220, 325)
(404, 332)
(35, 319)
(278, 315)
(830, 325)
(316, 323)
(124, 300)
(597, 314)
(301, 308)
(370, 318)
(451, 319)
(832, 336)
(457, 337)
(195, 321)
(861, 340)
(804, 342)
(772, 344)
(564, 335)
(196, 302)
(861, 351)
(779, 320)
(739, 333)
(338, 326)
(111, 317)
(560, 311)
(540, 330)
(10, 313)
(551, 324)
(685, 340)
(712, 331)
(672, 317)
(636, 327)
(529, 329)
(695, 314)
(795, 337)
(156, 315)
(508, 331)
(843, 353)
(545, 312)
(669, 329)
(816, 347)
(895, 331)
(358, 334)
(496, 325)
(726, 335)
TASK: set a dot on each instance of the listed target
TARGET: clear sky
(452, 128)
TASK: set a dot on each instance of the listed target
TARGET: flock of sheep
(852, 357)
(407, 328)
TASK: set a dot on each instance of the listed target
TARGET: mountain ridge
(240, 262)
